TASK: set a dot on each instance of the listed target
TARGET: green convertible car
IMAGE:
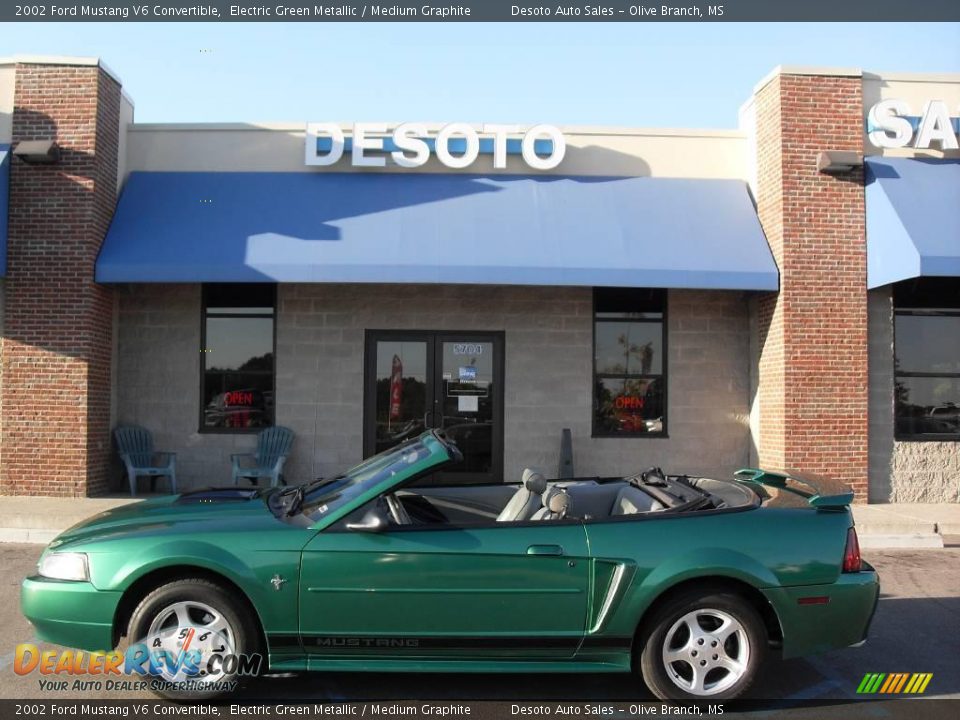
(689, 582)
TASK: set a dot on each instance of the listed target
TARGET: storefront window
(927, 359)
(237, 357)
(629, 363)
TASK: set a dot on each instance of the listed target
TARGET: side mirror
(374, 520)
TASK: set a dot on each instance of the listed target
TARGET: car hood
(206, 510)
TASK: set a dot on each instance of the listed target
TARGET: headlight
(64, 566)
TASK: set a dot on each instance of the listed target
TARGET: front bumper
(842, 621)
(70, 613)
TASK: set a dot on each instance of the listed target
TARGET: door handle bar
(545, 550)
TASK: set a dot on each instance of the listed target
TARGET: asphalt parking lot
(915, 630)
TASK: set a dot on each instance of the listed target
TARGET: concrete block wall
(880, 438)
(901, 471)
(158, 382)
(708, 395)
(548, 364)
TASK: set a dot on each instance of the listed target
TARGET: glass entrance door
(446, 380)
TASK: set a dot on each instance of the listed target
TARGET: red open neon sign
(628, 402)
(238, 397)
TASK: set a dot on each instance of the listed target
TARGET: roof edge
(299, 127)
(931, 77)
(806, 70)
(73, 60)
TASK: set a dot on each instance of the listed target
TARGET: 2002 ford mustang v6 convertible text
(688, 581)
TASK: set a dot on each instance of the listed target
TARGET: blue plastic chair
(135, 445)
(273, 447)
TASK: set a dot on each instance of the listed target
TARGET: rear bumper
(876, 601)
(74, 614)
(843, 620)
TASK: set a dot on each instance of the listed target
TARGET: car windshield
(328, 494)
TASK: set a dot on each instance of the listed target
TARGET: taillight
(851, 554)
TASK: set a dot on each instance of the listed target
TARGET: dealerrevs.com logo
(182, 661)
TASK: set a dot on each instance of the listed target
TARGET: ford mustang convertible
(689, 582)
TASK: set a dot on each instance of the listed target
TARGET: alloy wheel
(706, 651)
(191, 626)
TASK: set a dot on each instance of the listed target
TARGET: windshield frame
(439, 453)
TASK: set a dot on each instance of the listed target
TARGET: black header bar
(486, 11)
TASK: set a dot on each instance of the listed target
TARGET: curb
(877, 541)
(37, 536)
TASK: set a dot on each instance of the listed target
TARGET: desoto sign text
(456, 145)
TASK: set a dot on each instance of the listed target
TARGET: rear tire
(202, 615)
(702, 647)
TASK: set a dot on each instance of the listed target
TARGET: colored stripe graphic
(903, 681)
(894, 683)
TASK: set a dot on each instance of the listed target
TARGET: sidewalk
(917, 525)
(34, 519)
(906, 524)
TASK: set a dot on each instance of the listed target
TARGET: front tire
(190, 615)
(703, 647)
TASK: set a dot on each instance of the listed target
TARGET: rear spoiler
(820, 492)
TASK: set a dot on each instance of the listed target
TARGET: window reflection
(927, 406)
(238, 357)
(629, 368)
(927, 359)
(628, 406)
(401, 392)
(629, 348)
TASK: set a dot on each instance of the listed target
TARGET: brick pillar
(55, 435)
(813, 333)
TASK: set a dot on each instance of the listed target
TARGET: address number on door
(467, 349)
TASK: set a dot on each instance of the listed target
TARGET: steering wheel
(398, 512)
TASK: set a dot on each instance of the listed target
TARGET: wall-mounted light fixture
(838, 161)
(37, 152)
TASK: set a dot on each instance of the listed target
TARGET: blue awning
(4, 205)
(913, 219)
(425, 228)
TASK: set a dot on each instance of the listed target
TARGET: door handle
(544, 550)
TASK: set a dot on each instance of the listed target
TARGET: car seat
(526, 500)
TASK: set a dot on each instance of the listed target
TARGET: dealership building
(783, 294)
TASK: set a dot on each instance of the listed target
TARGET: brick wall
(320, 337)
(813, 334)
(56, 352)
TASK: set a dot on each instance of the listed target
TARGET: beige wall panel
(916, 90)
(277, 148)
